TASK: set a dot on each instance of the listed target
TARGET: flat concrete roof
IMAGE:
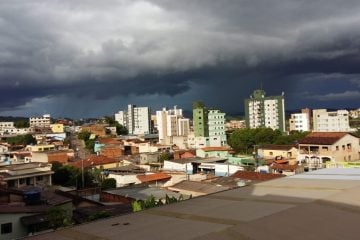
(285, 208)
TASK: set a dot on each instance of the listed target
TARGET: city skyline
(91, 59)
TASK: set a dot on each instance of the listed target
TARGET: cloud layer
(102, 51)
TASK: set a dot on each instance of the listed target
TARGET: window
(337, 148)
(271, 153)
(6, 228)
(40, 178)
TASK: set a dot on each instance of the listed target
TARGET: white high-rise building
(41, 122)
(183, 126)
(299, 122)
(337, 121)
(135, 119)
(263, 111)
(216, 123)
(171, 123)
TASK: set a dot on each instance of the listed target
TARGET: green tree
(84, 135)
(58, 217)
(108, 183)
(164, 156)
(66, 175)
(120, 129)
(22, 124)
(24, 140)
(244, 140)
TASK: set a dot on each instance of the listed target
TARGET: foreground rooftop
(320, 205)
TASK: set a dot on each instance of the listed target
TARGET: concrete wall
(18, 230)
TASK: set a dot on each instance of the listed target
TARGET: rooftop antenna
(261, 85)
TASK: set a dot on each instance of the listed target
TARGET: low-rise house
(125, 175)
(181, 154)
(149, 158)
(157, 179)
(286, 168)
(212, 152)
(4, 147)
(53, 156)
(272, 151)
(26, 174)
(96, 161)
(97, 129)
(213, 166)
(317, 148)
(57, 128)
(40, 147)
(27, 211)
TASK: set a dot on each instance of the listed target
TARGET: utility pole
(82, 173)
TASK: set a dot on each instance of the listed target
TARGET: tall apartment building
(171, 123)
(40, 122)
(216, 126)
(209, 125)
(336, 121)
(135, 119)
(200, 120)
(299, 122)
(262, 111)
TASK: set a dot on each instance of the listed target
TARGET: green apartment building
(263, 111)
(200, 120)
(209, 124)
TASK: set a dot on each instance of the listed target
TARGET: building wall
(121, 118)
(216, 122)
(57, 128)
(200, 120)
(96, 129)
(136, 119)
(7, 125)
(161, 119)
(180, 167)
(170, 123)
(272, 153)
(204, 154)
(261, 111)
(124, 180)
(346, 149)
(337, 121)
(18, 229)
(40, 148)
(184, 127)
(226, 169)
(43, 121)
(171, 126)
(197, 142)
(299, 122)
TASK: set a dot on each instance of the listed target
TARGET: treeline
(244, 140)
(24, 140)
(67, 175)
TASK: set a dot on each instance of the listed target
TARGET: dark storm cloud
(100, 50)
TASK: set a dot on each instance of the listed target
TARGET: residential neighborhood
(56, 174)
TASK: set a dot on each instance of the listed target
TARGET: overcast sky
(92, 58)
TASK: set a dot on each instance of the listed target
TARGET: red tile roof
(209, 149)
(247, 175)
(93, 161)
(277, 147)
(109, 141)
(285, 167)
(322, 138)
(281, 161)
(153, 177)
